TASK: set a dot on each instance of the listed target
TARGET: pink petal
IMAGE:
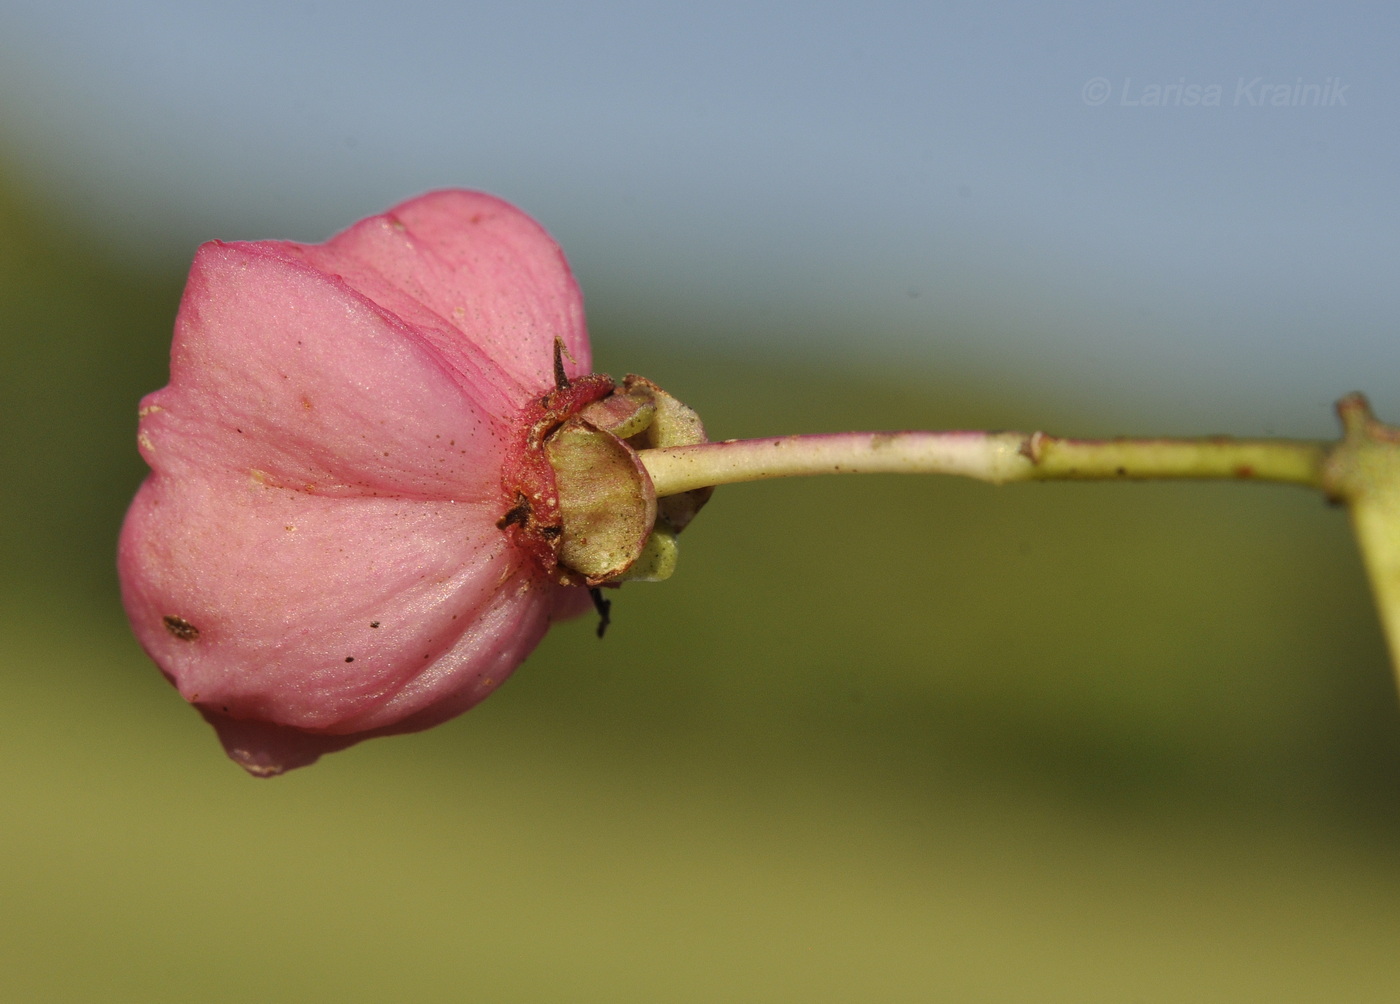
(328, 608)
(452, 262)
(281, 373)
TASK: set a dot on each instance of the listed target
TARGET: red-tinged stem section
(998, 457)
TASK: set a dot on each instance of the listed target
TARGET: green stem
(998, 457)
(1361, 471)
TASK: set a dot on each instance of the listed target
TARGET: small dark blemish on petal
(374, 624)
(349, 658)
(181, 628)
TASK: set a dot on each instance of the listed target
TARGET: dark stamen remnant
(561, 379)
(180, 628)
(516, 514)
(604, 608)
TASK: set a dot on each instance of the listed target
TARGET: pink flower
(318, 555)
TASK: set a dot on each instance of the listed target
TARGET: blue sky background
(937, 184)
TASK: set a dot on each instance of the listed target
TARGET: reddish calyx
(579, 499)
(533, 519)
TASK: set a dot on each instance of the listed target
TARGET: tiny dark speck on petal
(180, 628)
(349, 658)
(374, 624)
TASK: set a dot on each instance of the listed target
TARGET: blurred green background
(887, 739)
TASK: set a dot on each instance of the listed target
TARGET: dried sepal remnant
(614, 527)
(624, 413)
(606, 499)
(675, 424)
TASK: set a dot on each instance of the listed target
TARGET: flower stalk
(1360, 471)
(997, 457)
